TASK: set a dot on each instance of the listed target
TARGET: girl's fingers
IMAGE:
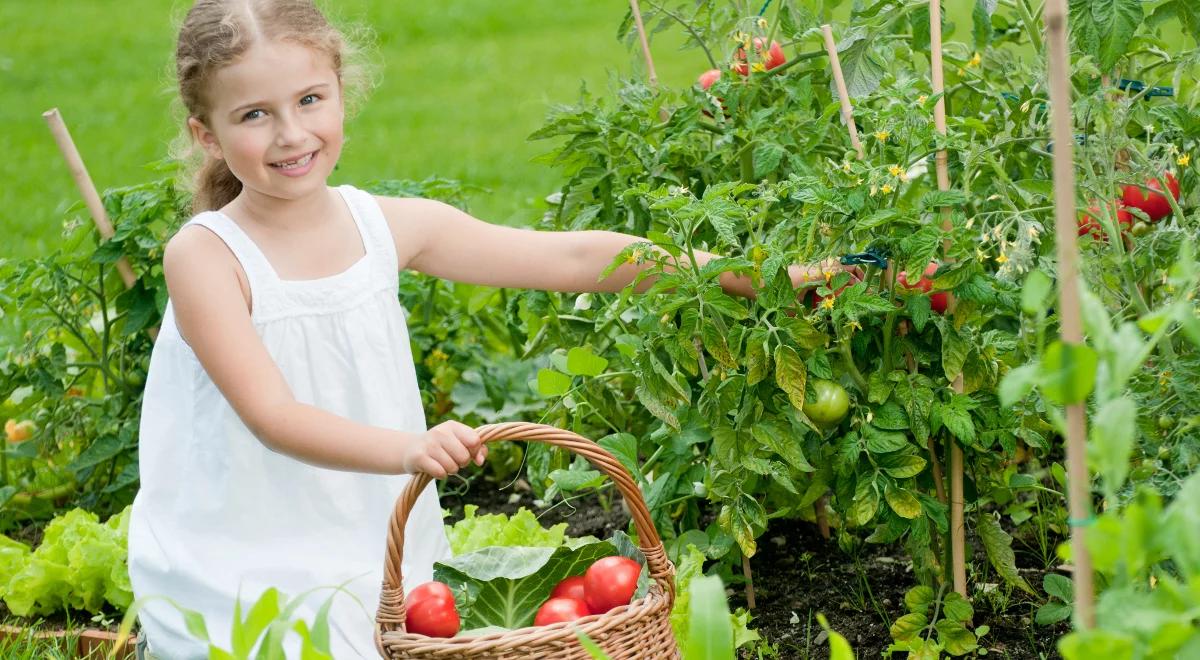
(467, 436)
(431, 467)
(439, 454)
(455, 449)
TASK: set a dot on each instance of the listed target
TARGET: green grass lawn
(463, 84)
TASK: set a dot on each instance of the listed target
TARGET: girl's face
(276, 119)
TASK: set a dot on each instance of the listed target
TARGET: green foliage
(1150, 557)
(80, 564)
(259, 633)
(935, 624)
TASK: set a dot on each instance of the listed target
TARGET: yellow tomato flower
(1184, 160)
(895, 170)
(762, 23)
(828, 302)
(1002, 259)
(882, 136)
(922, 99)
(886, 189)
(846, 167)
(975, 60)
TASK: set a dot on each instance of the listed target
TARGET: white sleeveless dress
(218, 512)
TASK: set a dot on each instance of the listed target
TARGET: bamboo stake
(1068, 292)
(641, 30)
(848, 118)
(83, 181)
(958, 541)
(843, 93)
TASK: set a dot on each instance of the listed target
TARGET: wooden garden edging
(87, 643)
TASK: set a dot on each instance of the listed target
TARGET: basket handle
(390, 616)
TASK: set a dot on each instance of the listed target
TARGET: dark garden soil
(797, 575)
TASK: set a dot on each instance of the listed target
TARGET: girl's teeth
(295, 163)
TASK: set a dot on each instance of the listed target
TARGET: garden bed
(797, 575)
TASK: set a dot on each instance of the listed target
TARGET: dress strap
(376, 232)
(258, 270)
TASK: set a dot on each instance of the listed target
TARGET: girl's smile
(298, 166)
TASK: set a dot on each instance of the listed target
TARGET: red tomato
(427, 590)
(1089, 221)
(432, 616)
(610, 582)
(937, 301)
(709, 77)
(774, 57)
(1152, 201)
(557, 610)
(571, 587)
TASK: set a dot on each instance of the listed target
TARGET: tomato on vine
(1150, 199)
(829, 404)
(1089, 220)
(937, 301)
(774, 57)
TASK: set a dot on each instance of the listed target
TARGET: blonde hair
(215, 34)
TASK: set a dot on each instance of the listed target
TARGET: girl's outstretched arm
(437, 239)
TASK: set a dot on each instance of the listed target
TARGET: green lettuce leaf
(522, 529)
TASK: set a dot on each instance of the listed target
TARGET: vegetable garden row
(930, 416)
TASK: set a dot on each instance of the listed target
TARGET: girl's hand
(444, 449)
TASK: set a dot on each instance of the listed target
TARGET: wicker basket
(640, 630)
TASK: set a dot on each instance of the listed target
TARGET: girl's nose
(290, 131)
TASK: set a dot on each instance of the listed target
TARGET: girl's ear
(204, 137)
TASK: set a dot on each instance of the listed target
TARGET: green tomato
(1166, 422)
(829, 404)
(1140, 228)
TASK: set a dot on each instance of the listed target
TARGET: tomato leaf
(790, 374)
(998, 544)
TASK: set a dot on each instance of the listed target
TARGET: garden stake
(1068, 300)
(843, 94)
(848, 118)
(88, 190)
(641, 29)
(958, 553)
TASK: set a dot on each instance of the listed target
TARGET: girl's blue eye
(247, 115)
(314, 97)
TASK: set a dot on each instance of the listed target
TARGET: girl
(281, 414)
